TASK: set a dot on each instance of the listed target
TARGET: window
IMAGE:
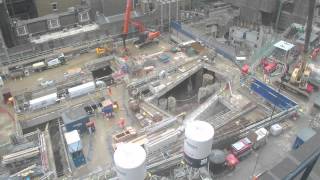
(22, 30)
(53, 23)
(54, 6)
(84, 16)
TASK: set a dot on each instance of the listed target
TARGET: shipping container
(75, 147)
(73, 141)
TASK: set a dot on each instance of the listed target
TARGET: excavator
(105, 49)
(300, 75)
(145, 36)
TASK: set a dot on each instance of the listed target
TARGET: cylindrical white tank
(198, 143)
(81, 90)
(130, 161)
(43, 101)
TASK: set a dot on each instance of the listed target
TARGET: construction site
(160, 89)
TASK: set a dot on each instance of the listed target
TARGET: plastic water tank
(217, 160)
(198, 143)
(130, 160)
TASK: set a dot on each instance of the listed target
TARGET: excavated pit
(185, 94)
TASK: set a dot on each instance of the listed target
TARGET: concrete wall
(44, 7)
(112, 7)
(269, 6)
(3, 50)
(5, 28)
(298, 15)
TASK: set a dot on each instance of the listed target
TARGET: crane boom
(127, 17)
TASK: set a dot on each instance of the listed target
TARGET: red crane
(145, 37)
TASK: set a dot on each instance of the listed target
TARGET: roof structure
(284, 45)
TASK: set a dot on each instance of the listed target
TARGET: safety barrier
(272, 95)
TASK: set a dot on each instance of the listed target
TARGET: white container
(261, 139)
(198, 142)
(73, 141)
(130, 161)
(276, 129)
(43, 101)
(38, 65)
(262, 133)
(81, 89)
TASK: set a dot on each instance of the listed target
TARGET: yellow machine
(103, 51)
(301, 74)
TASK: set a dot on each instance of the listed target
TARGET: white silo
(198, 143)
(130, 161)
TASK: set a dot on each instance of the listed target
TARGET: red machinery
(241, 148)
(231, 161)
(315, 53)
(269, 65)
(145, 36)
(245, 69)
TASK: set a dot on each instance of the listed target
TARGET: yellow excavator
(300, 75)
(105, 50)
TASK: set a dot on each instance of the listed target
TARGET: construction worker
(122, 123)
(109, 91)
(91, 126)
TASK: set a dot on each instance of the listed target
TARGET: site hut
(282, 51)
(75, 119)
(75, 147)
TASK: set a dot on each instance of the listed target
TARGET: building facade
(3, 50)
(21, 9)
(45, 7)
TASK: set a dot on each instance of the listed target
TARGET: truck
(242, 148)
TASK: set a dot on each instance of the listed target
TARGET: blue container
(78, 158)
(107, 109)
(107, 106)
(302, 136)
(75, 119)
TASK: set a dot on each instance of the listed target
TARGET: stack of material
(157, 142)
(20, 155)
